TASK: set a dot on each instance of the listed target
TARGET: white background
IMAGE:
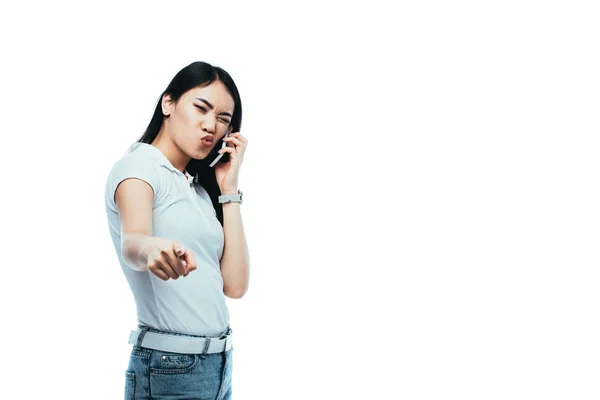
(421, 193)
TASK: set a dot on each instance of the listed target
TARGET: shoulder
(137, 163)
(140, 158)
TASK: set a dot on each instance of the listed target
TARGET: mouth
(207, 140)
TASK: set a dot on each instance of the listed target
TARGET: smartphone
(224, 157)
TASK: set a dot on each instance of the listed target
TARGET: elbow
(235, 292)
(133, 251)
(130, 259)
(235, 281)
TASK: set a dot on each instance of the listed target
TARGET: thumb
(179, 250)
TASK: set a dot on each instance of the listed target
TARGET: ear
(166, 104)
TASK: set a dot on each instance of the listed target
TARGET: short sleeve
(131, 166)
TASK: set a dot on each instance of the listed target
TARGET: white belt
(182, 344)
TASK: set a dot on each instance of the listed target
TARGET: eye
(224, 120)
(202, 108)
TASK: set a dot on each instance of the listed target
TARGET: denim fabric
(156, 374)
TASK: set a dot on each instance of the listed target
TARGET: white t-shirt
(182, 212)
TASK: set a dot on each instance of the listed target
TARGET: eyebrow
(211, 107)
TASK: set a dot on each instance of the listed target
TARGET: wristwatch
(231, 198)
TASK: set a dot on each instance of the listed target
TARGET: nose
(208, 124)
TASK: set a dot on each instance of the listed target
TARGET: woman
(170, 214)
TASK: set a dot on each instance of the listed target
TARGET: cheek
(191, 117)
(188, 119)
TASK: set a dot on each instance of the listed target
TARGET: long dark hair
(199, 74)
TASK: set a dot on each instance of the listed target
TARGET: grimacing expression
(198, 112)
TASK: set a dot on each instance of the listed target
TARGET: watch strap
(231, 198)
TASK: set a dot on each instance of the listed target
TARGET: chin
(200, 154)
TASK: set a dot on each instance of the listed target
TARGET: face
(199, 112)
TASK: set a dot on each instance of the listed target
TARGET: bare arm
(235, 262)
(134, 198)
(141, 250)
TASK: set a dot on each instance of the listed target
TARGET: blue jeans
(157, 374)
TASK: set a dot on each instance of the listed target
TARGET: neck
(173, 153)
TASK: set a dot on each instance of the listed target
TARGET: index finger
(190, 260)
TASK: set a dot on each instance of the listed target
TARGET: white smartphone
(221, 154)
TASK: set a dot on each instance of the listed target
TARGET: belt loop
(226, 332)
(206, 345)
(140, 337)
(227, 339)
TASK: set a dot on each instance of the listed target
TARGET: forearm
(235, 262)
(134, 249)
